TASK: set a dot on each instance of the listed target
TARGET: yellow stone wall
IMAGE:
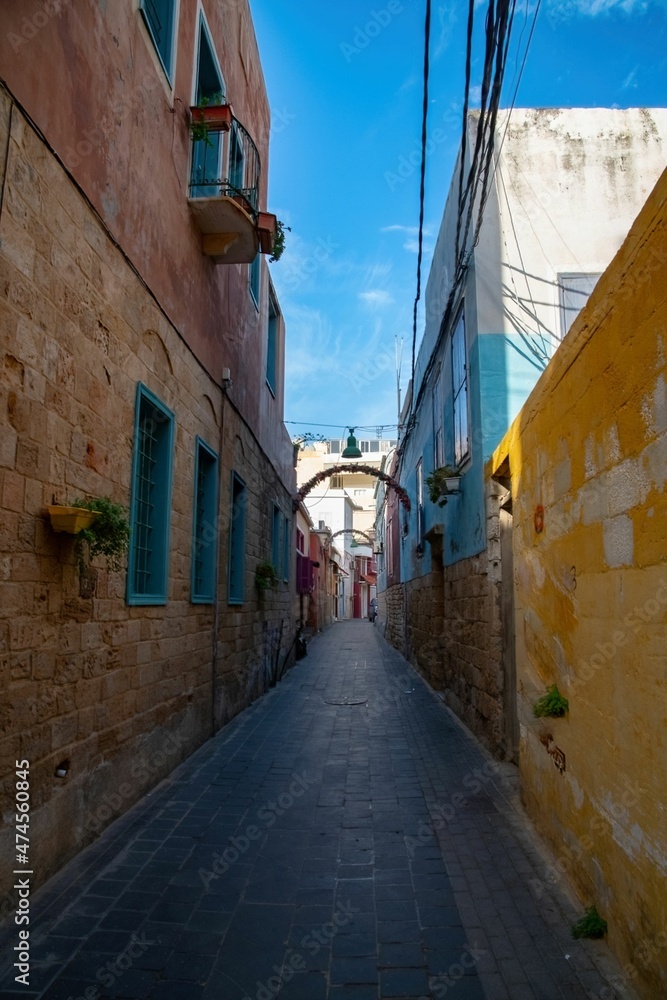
(590, 448)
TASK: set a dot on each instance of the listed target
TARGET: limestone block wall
(588, 463)
(425, 620)
(121, 693)
(447, 623)
(391, 616)
(472, 677)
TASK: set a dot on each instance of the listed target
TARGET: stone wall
(472, 678)
(391, 615)
(120, 693)
(450, 630)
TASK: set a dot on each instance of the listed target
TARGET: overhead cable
(422, 185)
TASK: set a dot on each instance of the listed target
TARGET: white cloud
(377, 273)
(562, 10)
(407, 84)
(313, 350)
(631, 79)
(412, 244)
(376, 298)
(413, 230)
(446, 21)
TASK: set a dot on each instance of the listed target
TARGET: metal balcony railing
(226, 164)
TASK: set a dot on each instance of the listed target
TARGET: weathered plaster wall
(121, 692)
(568, 186)
(122, 131)
(590, 448)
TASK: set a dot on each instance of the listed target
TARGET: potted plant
(265, 576)
(210, 115)
(278, 245)
(266, 230)
(441, 483)
(108, 534)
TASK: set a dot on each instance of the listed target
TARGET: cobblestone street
(344, 837)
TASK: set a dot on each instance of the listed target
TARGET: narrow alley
(343, 837)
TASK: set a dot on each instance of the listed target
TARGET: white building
(564, 189)
(345, 503)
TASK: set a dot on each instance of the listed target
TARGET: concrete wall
(122, 693)
(590, 449)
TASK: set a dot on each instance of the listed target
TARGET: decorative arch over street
(368, 470)
(355, 531)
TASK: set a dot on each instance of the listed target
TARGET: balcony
(224, 188)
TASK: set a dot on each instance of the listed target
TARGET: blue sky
(345, 88)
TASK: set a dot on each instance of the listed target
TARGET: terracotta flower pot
(266, 231)
(216, 117)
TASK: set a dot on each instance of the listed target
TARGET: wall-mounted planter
(441, 483)
(266, 231)
(71, 519)
(212, 118)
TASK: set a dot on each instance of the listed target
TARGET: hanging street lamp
(352, 451)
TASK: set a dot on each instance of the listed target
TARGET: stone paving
(345, 837)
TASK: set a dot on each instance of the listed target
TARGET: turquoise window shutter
(286, 549)
(205, 525)
(159, 16)
(236, 561)
(150, 505)
(276, 547)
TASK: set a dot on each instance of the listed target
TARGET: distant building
(345, 502)
(566, 186)
(142, 359)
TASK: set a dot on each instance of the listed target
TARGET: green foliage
(551, 704)
(265, 576)
(279, 240)
(108, 535)
(199, 129)
(590, 926)
(436, 485)
(309, 436)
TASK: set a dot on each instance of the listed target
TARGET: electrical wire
(422, 182)
(358, 427)
(499, 22)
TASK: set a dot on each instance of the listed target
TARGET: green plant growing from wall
(265, 576)
(108, 535)
(591, 925)
(551, 704)
(279, 240)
